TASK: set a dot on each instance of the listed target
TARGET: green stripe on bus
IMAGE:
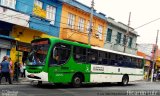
(99, 73)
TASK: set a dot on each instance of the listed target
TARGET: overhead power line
(147, 23)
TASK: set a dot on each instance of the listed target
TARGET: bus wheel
(39, 83)
(125, 80)
(77, 81)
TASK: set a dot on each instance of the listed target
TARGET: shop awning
(6, 37)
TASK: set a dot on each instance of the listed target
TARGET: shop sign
(23, 47)
(38, 11)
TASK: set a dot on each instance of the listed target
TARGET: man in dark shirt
(5, 69)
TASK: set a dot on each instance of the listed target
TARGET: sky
(142, 12)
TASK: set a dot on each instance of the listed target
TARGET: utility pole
(154, 57)
(127, 34)
(91, 22)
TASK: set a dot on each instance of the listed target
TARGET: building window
(124, 40)
(109, 35)
(100, 30)
(130, 42)
(8, 3)
(38, 3)
(8, 52)
(119, 35)
(51, 13)
(71, 20)
(81, 24)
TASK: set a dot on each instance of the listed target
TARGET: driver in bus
(38, 61)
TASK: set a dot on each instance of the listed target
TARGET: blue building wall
(25, 6)
(41, 24)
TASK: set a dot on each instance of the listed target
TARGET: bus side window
(92, 56)
(112, 58)
(124, 61)
(120, 60)
(64, 53)
(133, 63)
(139, 63)
(79, 54)
(54, 56)
(60, 54)
(128, 62)
(102, 59)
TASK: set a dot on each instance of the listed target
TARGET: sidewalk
(21, 81)
(24, 81)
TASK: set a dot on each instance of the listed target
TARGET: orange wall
(141, 54)
(79, 13)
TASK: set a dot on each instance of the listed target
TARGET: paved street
(25, 89)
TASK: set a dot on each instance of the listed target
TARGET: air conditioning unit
(97, 35)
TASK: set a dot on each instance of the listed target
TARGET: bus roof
(92, 47)
(70, 42)
(116, 52)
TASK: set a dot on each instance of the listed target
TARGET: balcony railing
(82, 37)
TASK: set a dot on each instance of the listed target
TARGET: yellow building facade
(75, 26)
(23, 37)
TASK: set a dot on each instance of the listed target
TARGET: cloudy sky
(142, 12)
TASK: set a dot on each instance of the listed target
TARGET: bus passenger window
(112, 59)
(79, 54)
(92, 56)
(60, 54)
(139, 63)
(103, 58)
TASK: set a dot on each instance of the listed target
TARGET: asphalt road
(86, 90)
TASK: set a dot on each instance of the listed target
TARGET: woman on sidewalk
(5, 69)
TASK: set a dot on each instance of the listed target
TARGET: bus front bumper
(42, 76)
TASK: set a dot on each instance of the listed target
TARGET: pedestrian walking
(23, 66)
(16, 71)
(5, 70)
(11, 67)
(154, 77)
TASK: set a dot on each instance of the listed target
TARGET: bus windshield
(38, 54)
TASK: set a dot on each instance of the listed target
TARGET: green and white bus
(60, 61)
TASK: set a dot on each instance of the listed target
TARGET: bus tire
(77, 81)
(39, 83)
(125, 80)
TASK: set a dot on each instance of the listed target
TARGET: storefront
(23, 37)
(23, 50)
